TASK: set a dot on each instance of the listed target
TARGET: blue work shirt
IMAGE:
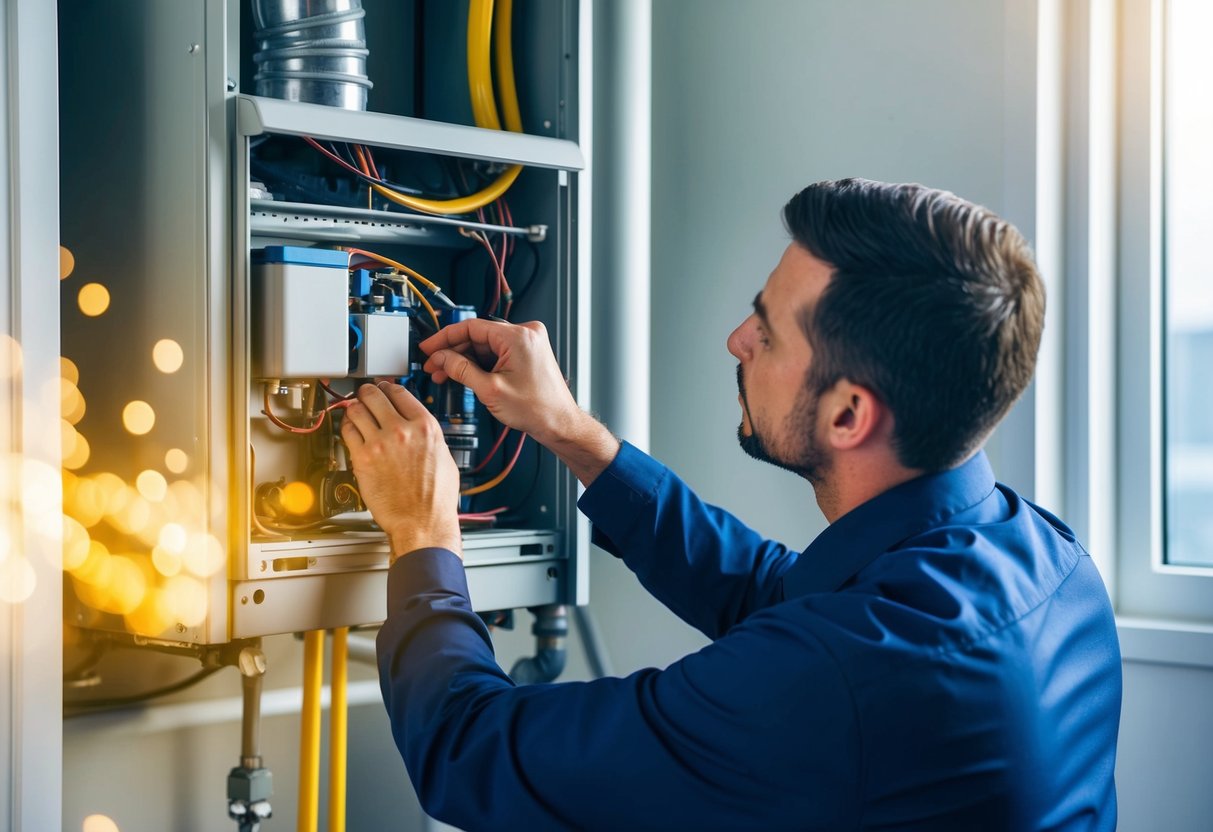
(944, 656)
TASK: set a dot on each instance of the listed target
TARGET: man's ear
(853, 415)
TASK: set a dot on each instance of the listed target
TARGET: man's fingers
(450, 365)
(476, 331)
(377, 403)
(406, 403)
(350, 433)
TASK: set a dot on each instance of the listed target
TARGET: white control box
(300, 313)
(382, 344)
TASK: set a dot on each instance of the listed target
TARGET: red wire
(492, 452)
(312, 428)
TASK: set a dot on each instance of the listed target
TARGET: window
(1164, 321)
(1187, 275)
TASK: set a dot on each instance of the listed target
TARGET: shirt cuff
(430, 571)
(615, 499)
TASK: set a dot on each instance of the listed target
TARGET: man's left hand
(406, 474)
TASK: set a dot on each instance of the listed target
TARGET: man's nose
(738, 343)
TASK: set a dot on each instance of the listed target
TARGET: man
(942, 656)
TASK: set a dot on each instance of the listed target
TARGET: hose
(550, 629)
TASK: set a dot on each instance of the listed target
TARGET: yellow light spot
(148, 620)
(183, 599)
(184, 500)
(93, 299)
(172, 538)
(69, 370)
(176, 460)
(128, 586)
(167, 563)
(203, 555)
(71, 402)
(67, 262)
(79, 455)
(152, 485)
(11, 357)
(138, 417)
(17, 580)
(297, 497)
(86, 502)
(133, 517)
(41, 489)
(94, 561)
(75, 544)
(167, 356)
(99, 823)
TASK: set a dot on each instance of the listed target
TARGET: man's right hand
(513, 372)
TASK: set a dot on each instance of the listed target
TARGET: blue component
(360, 283)
(457, 314)
(355, 336)
(394, 303)
(302, 256)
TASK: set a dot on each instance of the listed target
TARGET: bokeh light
(138, 417)
(167, 563)
(172, 538)
(297, 497)
(203, 555)
(183, 599)
(176, 460)
(75, 544)
(152, 485)
(67, 262)
(71, 402)
(69, 370)
(81, 450)
(167, 355)
(17, 580)
(93, 299)
(11, 357)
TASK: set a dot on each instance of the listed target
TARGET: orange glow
(138, 417)
(78, 458)
(94, 562)
(134, 516)
(152, 485)
(99, 823)
(176, 460)
(148, 619)
(93, 299)
(297, 497)
(128, 586)
(167, 355)
(67, 265)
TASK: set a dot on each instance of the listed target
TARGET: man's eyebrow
(760, 309)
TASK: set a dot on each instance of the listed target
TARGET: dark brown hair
(935, 304)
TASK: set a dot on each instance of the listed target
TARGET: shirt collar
(861, 535)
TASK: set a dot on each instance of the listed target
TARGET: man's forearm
(584, 445)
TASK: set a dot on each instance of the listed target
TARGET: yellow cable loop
(338, 730)
(505, 66)
(308, 817)
(484, 108)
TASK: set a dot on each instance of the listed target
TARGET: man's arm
(756, 731)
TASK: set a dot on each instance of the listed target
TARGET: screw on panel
(195, 48)
(243, 599)
(263, 566)
(180, 627)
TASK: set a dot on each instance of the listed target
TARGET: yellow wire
(480, 77)
(493, 483)
(338, 730)
(484, 107)
(425, 303)
(505, 66)
(429, 284)
(308, 817)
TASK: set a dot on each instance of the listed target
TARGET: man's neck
(850, 484)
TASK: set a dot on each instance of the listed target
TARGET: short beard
(810, 461)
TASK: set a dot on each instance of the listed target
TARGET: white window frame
(1146, 585)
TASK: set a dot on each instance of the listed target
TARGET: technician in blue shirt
(942, 656)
